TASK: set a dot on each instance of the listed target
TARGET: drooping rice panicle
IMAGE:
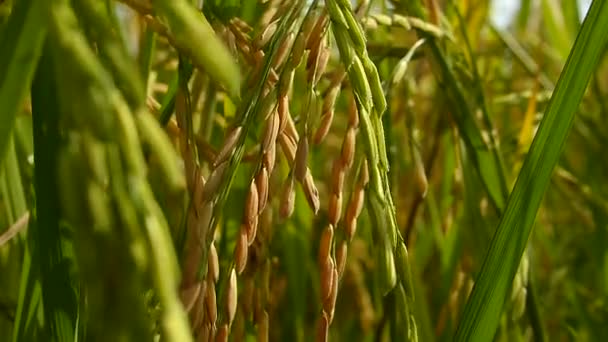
(371, 104)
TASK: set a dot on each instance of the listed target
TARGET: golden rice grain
(213, 263)
(264, 37)
(317, 31)
(307, 26)
(350, 227)
(327, 277)
(329, 100)
(338, 175)
(231, 297)
(288, 198)
(288, 146)
(252, 228)
(355, 206)
(290, 130)
(269, 158)
(335, 208)
(189, 295)
(261, 181)
(324, 126)
(241, 24)
(273, 78)
(319, 53)
(240, 251)
(301, 159)
(325, 244)
(311, 192)
(311, 64)
(322, 61)
(228, 147)
(329, 304)
(283, 50)
(271, 131)
(239, 34)
(348, 148)
(251, 203)
(214, 180)
(283, 112)
(245, 50)
(341, 254)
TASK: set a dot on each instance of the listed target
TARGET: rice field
(291, 170)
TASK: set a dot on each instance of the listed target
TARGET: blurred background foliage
(504, 58)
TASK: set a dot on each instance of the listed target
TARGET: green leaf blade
(58, 294)
(21, 47)
(482, 313)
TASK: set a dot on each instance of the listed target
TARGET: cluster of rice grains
(391, 252)
(122, 220)
(222, 293)
(274, 53)
(210, 298)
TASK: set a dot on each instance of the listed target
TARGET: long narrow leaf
(59, 299)
(21, 44)
(482, 312)
(24, 327)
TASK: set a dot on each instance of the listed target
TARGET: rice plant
(291, 170)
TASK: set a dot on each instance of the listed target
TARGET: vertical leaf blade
(59, 299)
(483, 309)
(21, 43)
